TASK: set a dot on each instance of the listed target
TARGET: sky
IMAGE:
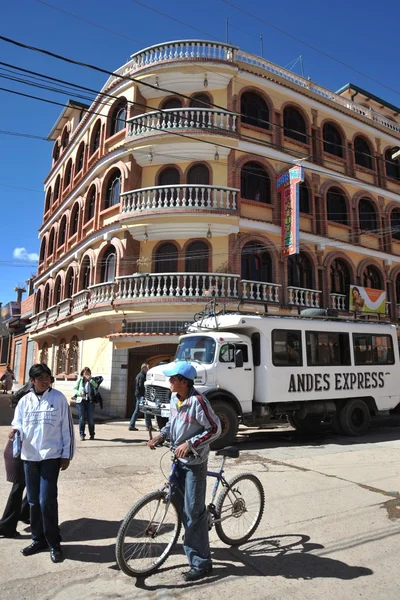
(359, 35)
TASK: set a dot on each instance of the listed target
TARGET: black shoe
(133, 428)
(91, 437)
(56, 555)
(195, 574)
(35, 547)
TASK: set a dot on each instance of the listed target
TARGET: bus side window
(286, 348)
(256, 345)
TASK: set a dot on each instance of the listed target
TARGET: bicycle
(151, 528)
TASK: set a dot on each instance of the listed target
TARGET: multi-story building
(162, 194)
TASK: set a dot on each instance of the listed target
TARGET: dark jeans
(16, 510)
(86, 415)
(147, 417)
(196, 542)
(41, 487)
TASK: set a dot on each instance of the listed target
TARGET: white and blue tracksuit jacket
(46, 426)
(194, 422)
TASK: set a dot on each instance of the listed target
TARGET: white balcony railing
(182, 118)
(65, 308)
(177, 285)
(303, 297)
(184, 49)
(260, 291)
(339, 301)
(42, 319)
(53, 314)
(80, 301)
(207, 197)
(102, 293)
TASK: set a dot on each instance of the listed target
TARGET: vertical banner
(288, 186)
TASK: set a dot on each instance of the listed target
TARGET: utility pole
(227, 30)
(262, 46)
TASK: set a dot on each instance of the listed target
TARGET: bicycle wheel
(240, 507)
(147, 535)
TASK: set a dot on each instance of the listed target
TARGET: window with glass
(254, 110)
(255, 183)
(95, 141)
(197, 348)
(68, 174)
(227, 352)
(294, 125)
(118, 118)
(286, 348)
(336, 206)
(256, 263)
(372, 278)
(300, 271)
(109, 264)
(304, 198)
(79, 158)
(367, 215)
(395, 223)
(113, 190)
(90, 204)
(57, 291)
(51, 243)
(62, 232)
(362, 153)
(328, 349)
(392, 166)
(371, 349)
(74, 220)
(333, 143)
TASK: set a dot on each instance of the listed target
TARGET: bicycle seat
(229, 451)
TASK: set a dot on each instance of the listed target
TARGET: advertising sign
(367, 300)
(288, 187)
(10, 311)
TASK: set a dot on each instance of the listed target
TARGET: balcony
(64, 308)
(80, 301)
(303, 297)
(102, 293)
(206, 197)
(339, 301)
(172, 119)
(260, 291)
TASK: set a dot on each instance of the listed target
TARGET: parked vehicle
(255, 369)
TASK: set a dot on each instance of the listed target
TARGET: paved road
(330, 529)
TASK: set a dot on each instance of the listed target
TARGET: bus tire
(354, 417)
(229, 423)
(307, 424)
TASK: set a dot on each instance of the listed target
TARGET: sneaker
(133, 428)
(195, 574)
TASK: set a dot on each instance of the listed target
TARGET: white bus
(258, 368)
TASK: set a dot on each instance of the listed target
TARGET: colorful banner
(288, 187)
(367, 300)
(10, 311)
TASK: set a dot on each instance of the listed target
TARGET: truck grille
(156, 392)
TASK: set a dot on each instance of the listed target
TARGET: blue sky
(357, 33)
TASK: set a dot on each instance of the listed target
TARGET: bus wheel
(307, 424)
(354, 417)
(229, 424)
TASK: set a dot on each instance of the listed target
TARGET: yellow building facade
(162, 195)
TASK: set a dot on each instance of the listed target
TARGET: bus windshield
(198, 348)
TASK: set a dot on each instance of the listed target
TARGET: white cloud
(23, 254)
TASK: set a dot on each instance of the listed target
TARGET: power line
(25, 135)
(16, 187)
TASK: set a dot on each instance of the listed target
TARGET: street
(329, 531)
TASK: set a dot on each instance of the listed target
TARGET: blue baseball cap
(180, 367)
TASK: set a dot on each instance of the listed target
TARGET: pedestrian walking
(44, 422)
(7, 379)
(85, 392)
(191, 428)
(139, 394)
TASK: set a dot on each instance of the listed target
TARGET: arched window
(254, 110)
(50, 249)
(46, 297)
(68, 174)
(57, 189)
(340, 277)
(372, 278)
(304, 198)
(48, 200)
(362, 153)
(80, 155)
(44, 353)
(108, 265)
(392, 166)
(42, 253)
(95, 139)
(294, 125)
(256, 263)
(57, 291)
(62, 231)
(166, 258)
(38, 301)
(74, 220)
(113, 189)
(336, 206)
(56, 152)
(69, 284)
(199, 101)
(73, 356)
(61, 361)
(169, 176)
(85, 274)
(65, 139)
(395, 223)
(333, 143)
(90, 204)
(367, 215)
(255, 183)
(198, 175)
(118, 118)
(197, 258)
(300, 271)
(171, 103)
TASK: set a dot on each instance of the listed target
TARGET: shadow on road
(82, 530)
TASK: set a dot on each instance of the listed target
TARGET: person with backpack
(139, 393)
(85, 392)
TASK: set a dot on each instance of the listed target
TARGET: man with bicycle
(191, 428)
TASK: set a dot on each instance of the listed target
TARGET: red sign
(288, 187)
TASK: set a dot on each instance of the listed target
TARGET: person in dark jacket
(17, 509)
(139, 393)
